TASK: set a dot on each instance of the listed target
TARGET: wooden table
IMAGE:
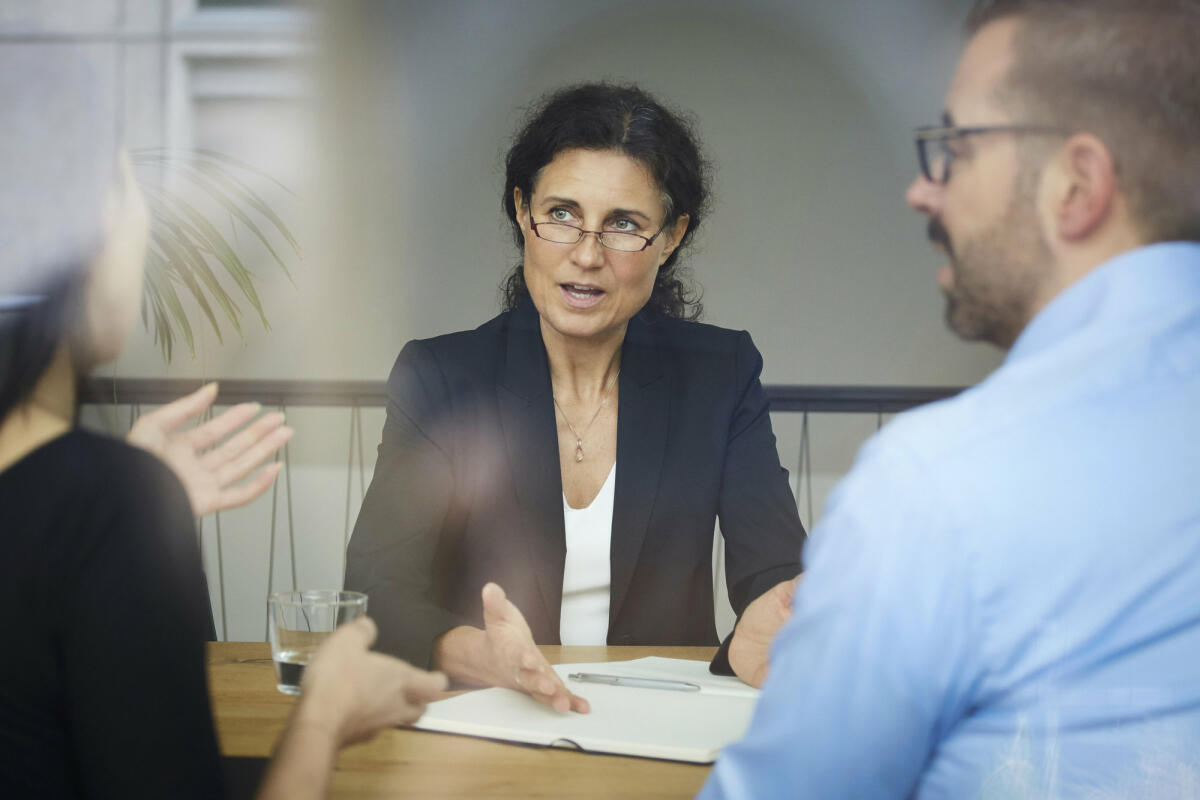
(250, 713)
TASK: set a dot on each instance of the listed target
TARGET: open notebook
(651, 723)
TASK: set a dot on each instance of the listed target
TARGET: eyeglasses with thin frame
(936, 155)
(561, 233)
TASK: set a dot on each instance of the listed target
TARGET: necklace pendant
(578, 450)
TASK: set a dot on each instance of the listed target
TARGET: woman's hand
(503, 654)
(353, 693)
(211, 474)
(757, 627)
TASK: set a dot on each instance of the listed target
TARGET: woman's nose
(588, 251)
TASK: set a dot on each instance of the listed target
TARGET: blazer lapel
(527, 417)
(642, 425)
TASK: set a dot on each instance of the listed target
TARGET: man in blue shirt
(1003, 600)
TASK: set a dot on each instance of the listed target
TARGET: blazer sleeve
(394, 551)
(759, 521)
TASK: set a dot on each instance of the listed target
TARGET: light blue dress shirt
(1003, 600)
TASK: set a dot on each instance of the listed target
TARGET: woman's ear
(521, 207)
(673, 237)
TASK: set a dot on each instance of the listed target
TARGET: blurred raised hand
(210, 459)
(355, 693)
(348, 694)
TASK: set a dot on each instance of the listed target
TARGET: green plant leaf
(217, 183)
(184, 253)
(211, 240)
(183, 239)
(163, 336)
(152, 154)
(253, 200)
(231, 206)
(243, 191)
(162, 282)
(188, 279)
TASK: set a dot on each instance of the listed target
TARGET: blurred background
(373, 135)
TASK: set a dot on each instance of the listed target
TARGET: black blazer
(467, 487)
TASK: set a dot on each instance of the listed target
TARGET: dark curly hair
(606, 116)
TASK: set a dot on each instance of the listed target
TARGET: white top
(586, 578)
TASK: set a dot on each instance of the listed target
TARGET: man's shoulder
(963, 426)
(935, 429)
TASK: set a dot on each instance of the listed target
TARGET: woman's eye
(560, 215)
(624, 225)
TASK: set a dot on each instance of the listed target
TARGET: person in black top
(102, 604)
(102, 684)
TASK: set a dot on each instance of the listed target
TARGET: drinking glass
(300, 622)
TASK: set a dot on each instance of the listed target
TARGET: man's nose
(924, 196)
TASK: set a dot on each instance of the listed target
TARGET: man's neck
(1075, 259)
(48, 413)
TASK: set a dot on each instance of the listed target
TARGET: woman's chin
(587, 325)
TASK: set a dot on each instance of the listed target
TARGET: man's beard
(997, 273)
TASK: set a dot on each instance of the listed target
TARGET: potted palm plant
(191, 255)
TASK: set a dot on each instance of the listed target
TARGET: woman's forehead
(599, 178)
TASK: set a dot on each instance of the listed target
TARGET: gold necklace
(578, 436)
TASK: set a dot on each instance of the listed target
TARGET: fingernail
(257, 407)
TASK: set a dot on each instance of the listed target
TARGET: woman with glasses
(554, 476)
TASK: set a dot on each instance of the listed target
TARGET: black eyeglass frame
(599, 235)
(926, 135)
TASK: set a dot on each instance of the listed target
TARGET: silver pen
(638, 683)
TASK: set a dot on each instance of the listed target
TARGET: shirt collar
(1157, 276)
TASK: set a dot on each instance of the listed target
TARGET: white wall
(395, 149)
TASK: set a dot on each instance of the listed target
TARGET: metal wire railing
(359, 395)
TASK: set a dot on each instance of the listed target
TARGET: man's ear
(1088, 187)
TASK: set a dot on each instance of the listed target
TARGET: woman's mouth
(579, 295)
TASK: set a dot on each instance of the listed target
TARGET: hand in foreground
(354, 693)
(758, 625)
(211, 474)
(518, 663)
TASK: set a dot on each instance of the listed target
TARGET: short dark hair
(626, 118)
(1126, 71)
(30, 335)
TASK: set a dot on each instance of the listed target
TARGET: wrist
(315, 727)
(463, 654)
(319, 714)
(739, 654)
